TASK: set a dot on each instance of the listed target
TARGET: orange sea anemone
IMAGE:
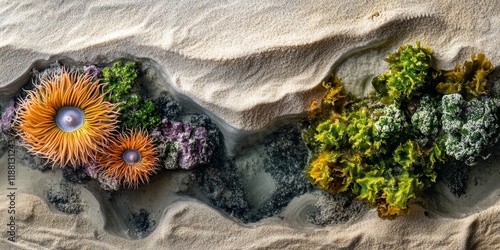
(130, 159)
(66, 119)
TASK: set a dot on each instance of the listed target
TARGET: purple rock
(8, 117)
(107, 183)
(186, 146)
(92, 70)
(92, 170)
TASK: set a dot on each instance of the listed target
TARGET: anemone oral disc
(132, 156)
(69, 119)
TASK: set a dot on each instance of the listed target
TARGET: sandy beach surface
(248, 64)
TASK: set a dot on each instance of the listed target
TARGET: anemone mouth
(132, 156)
(69, 119)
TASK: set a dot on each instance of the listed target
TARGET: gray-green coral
(426, 119)
(470, 126)
(391, 123)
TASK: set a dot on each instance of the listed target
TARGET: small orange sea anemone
(130, 159)
(66, 118)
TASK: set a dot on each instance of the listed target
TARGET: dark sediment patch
(285, 160)
(337, 209)
(76, 175)
(168, 107)
(141, 223)
(454, 176)
(65, 198)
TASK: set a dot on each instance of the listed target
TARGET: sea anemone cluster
(68, 120)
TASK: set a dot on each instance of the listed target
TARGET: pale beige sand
(191, 225)
(247, 63)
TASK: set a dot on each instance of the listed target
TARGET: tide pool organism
(185, 146)
(130, 159)
(66, 118)
(124, 88)
(469, 79)
(408, 73)
(386, 148)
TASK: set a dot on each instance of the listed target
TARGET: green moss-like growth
(123, 88)
(386, 148)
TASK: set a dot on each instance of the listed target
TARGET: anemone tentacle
(130, 159)
(42, 119)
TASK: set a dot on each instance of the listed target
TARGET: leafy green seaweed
(408, 72)
(469, 79)
(387, 147)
